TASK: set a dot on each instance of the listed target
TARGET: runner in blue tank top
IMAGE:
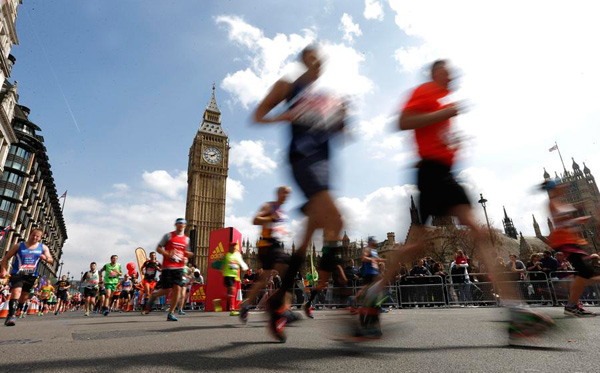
(315, 116)
(24, 270)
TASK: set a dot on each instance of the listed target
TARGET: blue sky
(138, 75)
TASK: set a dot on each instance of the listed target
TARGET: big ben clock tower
(207, 177)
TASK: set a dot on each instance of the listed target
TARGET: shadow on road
(277, 358)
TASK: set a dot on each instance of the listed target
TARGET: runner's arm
(263, 216)
(410, 120)
(4, 264)
(46, 256)
(277, 94)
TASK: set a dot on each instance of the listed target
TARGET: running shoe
(10, 321)
(244, 314)
(308, 310)
(234, 313)
(87, 313)
(525, 323)
(181, 312)
(106, 312)
(578, 311)
(55, 313)
(276, 325)
(171, 317)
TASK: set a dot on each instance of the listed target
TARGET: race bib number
(177, 257)
(112, 274)
(27, 269)
(150, 272)
(233, 266)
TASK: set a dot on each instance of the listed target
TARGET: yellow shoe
(234, 313)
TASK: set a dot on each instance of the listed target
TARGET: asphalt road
(416, 340)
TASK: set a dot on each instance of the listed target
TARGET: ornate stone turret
(546, 174)
(509, 228)
(525, 249)
(536, 228)
(576, 170)
(414, 212)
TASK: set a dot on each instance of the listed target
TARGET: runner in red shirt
(441, 195)
(565, 238)
(174, 247)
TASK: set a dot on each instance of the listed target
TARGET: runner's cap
(181, 221)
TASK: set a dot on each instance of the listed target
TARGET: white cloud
(413, 59)
(510, 70)
(162, 182)
(384, 210)
(121, 187)
(518, 194)
(270, 59)
(244, 225)
(119, 223)
(349, 28)
(373, 10)
(250, 158)
(234, 190)
(374, 127)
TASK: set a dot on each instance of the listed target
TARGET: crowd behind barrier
(534, 288)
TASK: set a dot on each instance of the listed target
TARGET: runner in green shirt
(231, 273)
(112, 272)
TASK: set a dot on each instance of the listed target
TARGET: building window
(7, 206)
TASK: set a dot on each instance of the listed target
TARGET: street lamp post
(483, 202)
(60, 270)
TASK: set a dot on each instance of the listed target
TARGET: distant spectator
(460, 278)
(460, 259)
(352, 273)
(516, 266)
(276, 279)
(420, 270)
(438, 270)
(549, 264)
(429, 263)
(563, 265)
(248, 280)
(535, 265)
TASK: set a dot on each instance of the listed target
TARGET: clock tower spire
(208, 167)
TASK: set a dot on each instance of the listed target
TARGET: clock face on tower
(211, 155)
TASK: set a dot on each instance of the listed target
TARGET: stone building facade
(28, 197)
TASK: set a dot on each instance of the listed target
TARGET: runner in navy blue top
(24, 270)
(315, 118)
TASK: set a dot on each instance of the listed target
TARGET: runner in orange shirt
(441, 195)
(565, 238)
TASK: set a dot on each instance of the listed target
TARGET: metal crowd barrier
(561, 284)
(422, 290)
(474, 289)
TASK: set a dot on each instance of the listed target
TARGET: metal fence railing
(473, 289)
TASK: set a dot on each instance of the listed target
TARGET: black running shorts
(271, 254)
(25, 282)
(331, 258)
(170, 277)
(439, 190)
(311, 173)
(87, 292)
(62, 295)
(582, 264)
(229, 281)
